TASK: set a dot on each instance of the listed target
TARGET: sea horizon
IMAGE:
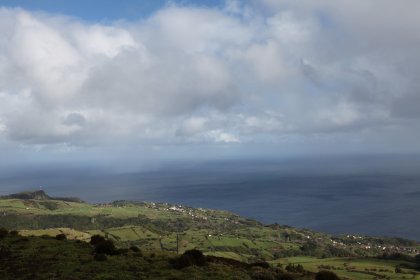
(337, 196)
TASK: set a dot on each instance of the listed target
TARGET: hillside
(39, 195)
(55, 258)
(168, 229)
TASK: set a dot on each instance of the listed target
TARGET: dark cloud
(407, 106)
(74, 119)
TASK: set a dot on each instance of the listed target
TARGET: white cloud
(249, 72)
(102, 40)
(222, 137)
(193, 126)
(51, 67)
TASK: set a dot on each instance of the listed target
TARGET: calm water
(367, 198)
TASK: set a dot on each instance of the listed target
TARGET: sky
(135, 83)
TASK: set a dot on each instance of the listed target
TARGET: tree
(102, 245)
(96, 239)
(61, 236)
(398, 269)
(190, 258)
(3, 233)
(105, 247)
(326, 275)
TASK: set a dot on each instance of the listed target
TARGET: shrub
(23, 239)
(398, 269)
(61, 236)
(105, 247)
(5, 252)
(284, 276)
(14, 233)
(100, 257)
(417, 258)
(3, 233)
(262, 264)
(96, 239)
(326, 275)
(262, 275)
(49, 205)
(102, 245)
(190, 258)
(121, 251)
(135, 249)
(295, 268)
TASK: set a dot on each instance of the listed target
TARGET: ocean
(378, 197)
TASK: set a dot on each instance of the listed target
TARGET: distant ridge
(39, 195)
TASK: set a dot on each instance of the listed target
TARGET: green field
(156, 227)
(354, 268)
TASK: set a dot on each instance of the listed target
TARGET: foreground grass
(47, 258)
(156, 227)
(355, 268)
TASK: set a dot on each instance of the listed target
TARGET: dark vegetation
(61, 236)
(189, 258)
(59, 258)
(326, 275)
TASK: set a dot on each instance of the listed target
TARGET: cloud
(251, 72)
(74, 119)
(222, 137)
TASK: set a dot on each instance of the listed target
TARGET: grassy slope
(354, 268)
(154, 227)
(47, 258)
